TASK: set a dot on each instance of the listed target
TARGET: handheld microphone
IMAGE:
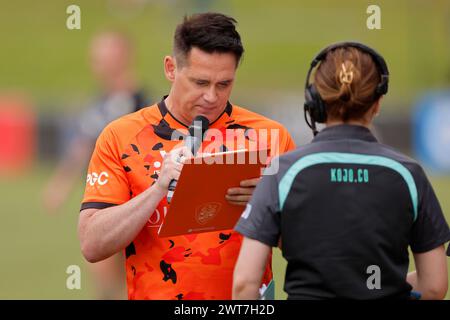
(193, 141)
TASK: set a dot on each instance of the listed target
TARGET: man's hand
(241, 195)
(171, 167)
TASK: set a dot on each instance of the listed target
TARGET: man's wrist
(159, 190)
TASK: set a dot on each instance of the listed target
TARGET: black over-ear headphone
(315, 106)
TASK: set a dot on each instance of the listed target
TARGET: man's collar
(344, 132)
(164, 111)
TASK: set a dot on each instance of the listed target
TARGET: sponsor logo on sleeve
(97, 178)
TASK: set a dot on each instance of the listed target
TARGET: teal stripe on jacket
(346, 158)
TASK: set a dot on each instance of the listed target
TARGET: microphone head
(200, 124)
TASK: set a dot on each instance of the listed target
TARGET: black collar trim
(345, 131)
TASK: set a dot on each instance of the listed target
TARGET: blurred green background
(41, 56)
(48, 63)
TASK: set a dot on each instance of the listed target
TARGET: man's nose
(210, 95)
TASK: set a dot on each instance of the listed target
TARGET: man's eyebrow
(198, 79)
(226, 81)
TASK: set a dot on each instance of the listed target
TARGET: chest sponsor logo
(157, 217)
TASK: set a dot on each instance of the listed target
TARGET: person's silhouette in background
(111, 56)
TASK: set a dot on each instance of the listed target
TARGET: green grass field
(38, 248)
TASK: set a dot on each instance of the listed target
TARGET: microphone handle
(172, 185)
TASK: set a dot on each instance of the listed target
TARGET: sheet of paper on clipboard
(198, 204)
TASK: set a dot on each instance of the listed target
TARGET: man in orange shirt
(133, 165)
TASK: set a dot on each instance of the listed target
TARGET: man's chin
(210, 114)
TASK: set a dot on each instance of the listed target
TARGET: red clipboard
(198, 203)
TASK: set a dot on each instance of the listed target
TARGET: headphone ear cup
(317, 108)
(309, 104)
(382, 88)
(308, 99)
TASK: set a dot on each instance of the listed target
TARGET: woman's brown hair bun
(346, 80)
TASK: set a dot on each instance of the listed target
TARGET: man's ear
(170, 66)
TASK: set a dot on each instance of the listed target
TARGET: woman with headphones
(345, 208)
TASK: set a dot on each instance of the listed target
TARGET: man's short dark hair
(210, 32)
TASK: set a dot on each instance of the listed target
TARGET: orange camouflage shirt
(127, 160)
